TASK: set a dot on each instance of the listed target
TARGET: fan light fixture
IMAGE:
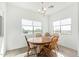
(43, 9)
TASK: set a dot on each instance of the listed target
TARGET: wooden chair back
(27, 42)
(53, 43)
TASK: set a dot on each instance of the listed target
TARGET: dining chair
(30, 48)
(47, 34)
(50, 50)
(54, 43)
(38, 34)
(56, 39)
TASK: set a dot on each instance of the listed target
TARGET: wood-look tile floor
(66, 52)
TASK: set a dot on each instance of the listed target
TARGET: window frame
(32, 26)
(60, 31)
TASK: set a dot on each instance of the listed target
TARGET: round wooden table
(38, 41)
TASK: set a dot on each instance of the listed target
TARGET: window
(27, 29)
(37, 27)
(56, 25)
(62, 26)
(31, 27)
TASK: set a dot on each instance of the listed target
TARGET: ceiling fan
(43, 9)
(51, 6)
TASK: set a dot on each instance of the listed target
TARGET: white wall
(15, 37)
(78, 31)
(0, 36)
(72, 12)
(3, 10)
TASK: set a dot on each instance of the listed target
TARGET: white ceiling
(34, 6)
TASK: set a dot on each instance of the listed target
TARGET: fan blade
(51, 6)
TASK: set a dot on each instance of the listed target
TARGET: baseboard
(68, 47)
(26, 47)
(16, 48)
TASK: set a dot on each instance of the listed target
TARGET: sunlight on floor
(21, 55)
(59, 54)
(1, 56)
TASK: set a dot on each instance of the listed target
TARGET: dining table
(38, 41)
